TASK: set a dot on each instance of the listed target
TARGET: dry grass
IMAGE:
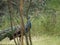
(42, 40)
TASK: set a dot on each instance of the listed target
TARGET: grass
(47, 41)
(41, 40)
(38, 30)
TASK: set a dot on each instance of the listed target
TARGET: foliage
(45, 16)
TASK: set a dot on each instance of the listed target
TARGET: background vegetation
(45, 17)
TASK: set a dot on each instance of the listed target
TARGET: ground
(37, 40)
